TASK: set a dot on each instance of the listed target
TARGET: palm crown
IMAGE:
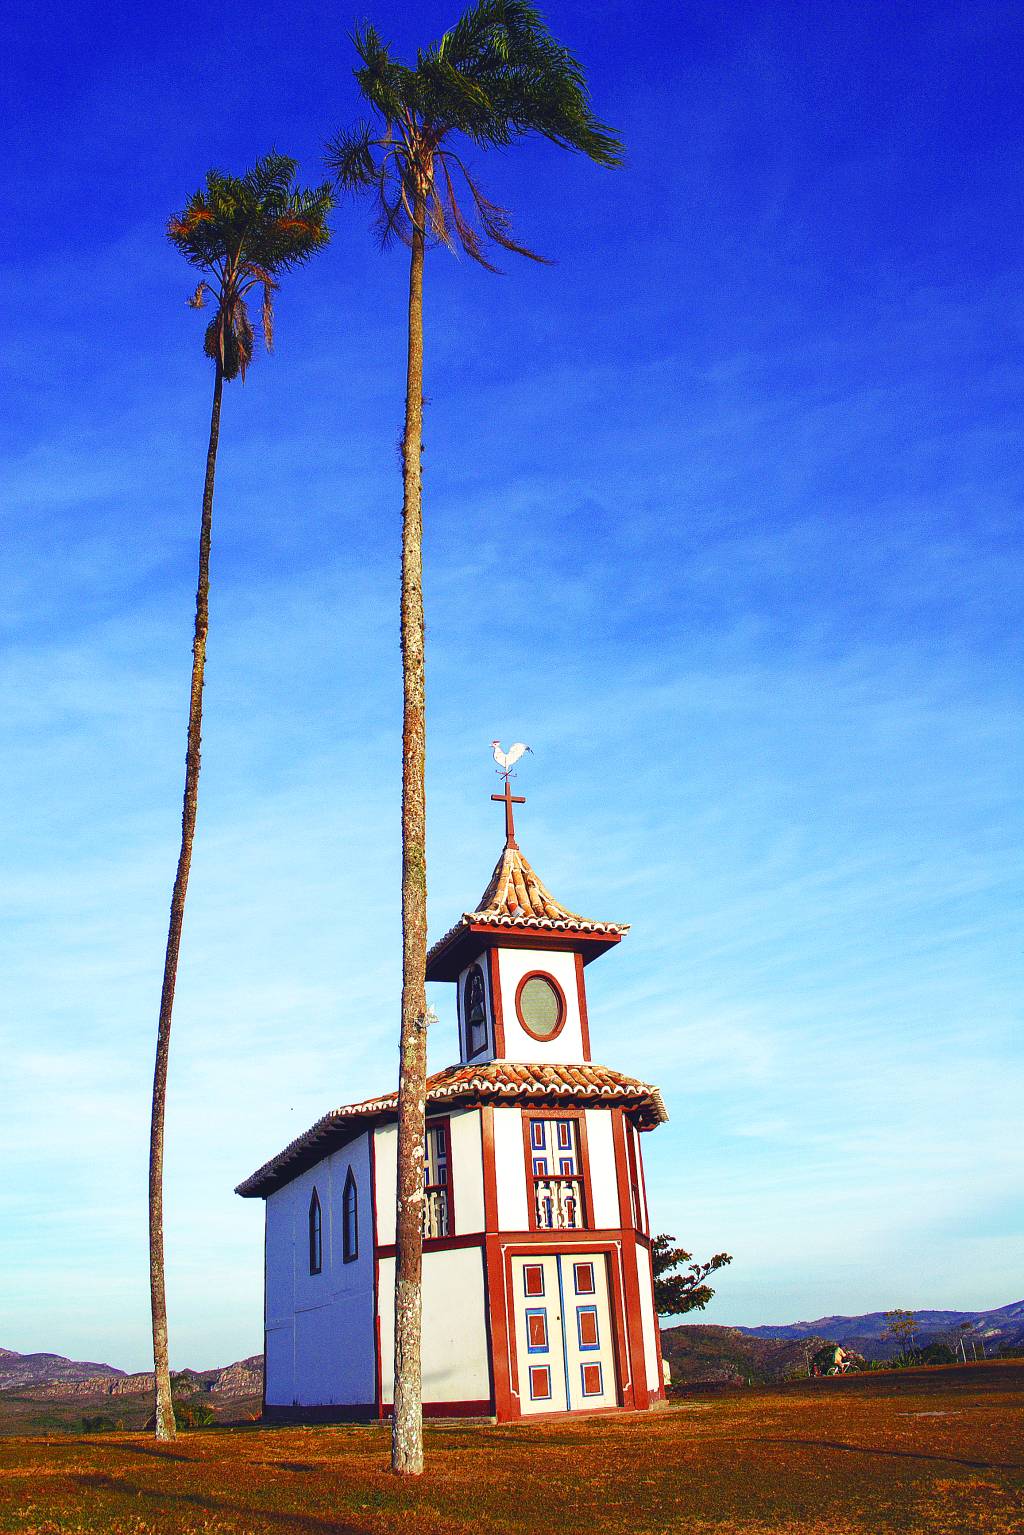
(242, 231)
(496, 76)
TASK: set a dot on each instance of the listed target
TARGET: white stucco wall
(604, 1192)
(645, 1214)
(510, 1170)
(320, 1342)
(467, 1174)
(567, 1046)
(467, 1170)
(455, 1367)
(385, 1151)
(647, 1317)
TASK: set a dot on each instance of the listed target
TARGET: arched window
(475, 1013)
(316, 1239)
(350, 1219)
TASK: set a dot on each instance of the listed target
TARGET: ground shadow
(101, 1481)
(867, 1449)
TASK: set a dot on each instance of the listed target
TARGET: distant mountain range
(1003, 1327)
(47, 1391)
(701, 1354)
(26, 1371)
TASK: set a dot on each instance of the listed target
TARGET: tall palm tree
(495, 77)
(241, 233)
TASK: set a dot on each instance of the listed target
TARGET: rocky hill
(48, 1392)
(701, 1354)
(27, 1371)
(40, 1392)
(999, 1328)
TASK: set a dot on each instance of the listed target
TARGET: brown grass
(892, 1454)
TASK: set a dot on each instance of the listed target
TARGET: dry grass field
(938, 1451)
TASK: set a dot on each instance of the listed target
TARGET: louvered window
(437, 1181)
(556, 1173)
(475, 1011)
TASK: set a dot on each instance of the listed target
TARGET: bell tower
(518, 960)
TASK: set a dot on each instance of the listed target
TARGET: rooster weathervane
(506, 763)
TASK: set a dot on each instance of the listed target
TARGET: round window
(540, 1005)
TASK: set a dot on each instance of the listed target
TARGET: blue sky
(723, 517)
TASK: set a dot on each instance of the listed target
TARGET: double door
(564, 1342)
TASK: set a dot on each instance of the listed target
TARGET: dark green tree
(241, 234)
(496, 77)
(674, 1292)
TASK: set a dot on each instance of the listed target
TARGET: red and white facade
(537, 1285)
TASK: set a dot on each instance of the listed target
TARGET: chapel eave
(472, 934)
(496, 1082)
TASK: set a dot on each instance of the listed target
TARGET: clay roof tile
(516, 896)
(497, 1081)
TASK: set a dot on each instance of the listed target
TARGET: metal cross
(508, 799)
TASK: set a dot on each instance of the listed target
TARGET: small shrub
(193, 1415)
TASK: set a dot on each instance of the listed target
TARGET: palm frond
(271, 178)
(385, 84)
(350, 157)
(497, 75)
(240, 231)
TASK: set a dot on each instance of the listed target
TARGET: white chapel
(537, 1284)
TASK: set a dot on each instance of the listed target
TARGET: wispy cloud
(722, 517)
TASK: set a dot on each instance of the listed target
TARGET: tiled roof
(516, 898)
(494, 1082)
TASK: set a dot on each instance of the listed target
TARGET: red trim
(468, 942)
(634, 1180)
(643, 1182)
(440, 1244)
(444, 1122)
(616, 1272)
(494, 1279)
(563, 1011)
(365, 1412)
(497, 1012)
(480, 1409)
(659, 1392)
(612, 1252)
(574, 1414)
(377, 1360)
(644, 1240)
(621, 1173)
(581, 992)
(588, 1206)
(579, 1115)
(631, 1286)
(490, 1177)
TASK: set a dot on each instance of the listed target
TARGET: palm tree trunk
(158, 1293)
(407, 1425)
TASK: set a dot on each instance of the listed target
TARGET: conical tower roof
(518, 902)
(516, 891)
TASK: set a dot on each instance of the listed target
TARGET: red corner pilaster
(506, 1406)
